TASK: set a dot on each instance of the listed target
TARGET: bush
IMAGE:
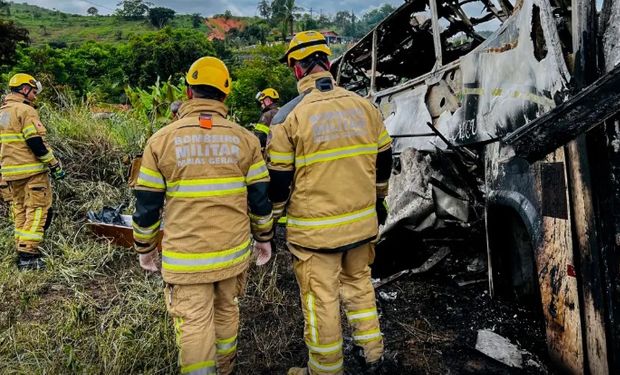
(260, 70)
(165, 53)
(91, 67)
(11, 36)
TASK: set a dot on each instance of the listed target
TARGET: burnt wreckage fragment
(489, 103)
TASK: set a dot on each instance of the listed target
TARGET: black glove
(382, 211)
(57, 172)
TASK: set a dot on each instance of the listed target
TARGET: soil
(429, 323)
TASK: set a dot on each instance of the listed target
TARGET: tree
(307, 23)
(164, 53)
(92, 11)
(160, 16)
(6, 6)
(10, 37)
(264, 10)
(259, 70)
(342, 18)
(197, 20)
(284, 13)
(228, 14)
(254, 33)
(373, 17)
(133, 9)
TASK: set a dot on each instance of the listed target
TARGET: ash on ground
(430, 323)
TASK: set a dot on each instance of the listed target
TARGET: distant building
(332, 37)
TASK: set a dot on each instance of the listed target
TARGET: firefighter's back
(204, 161)
(335, 133)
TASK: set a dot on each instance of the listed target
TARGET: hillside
(50, 26)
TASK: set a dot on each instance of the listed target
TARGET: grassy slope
(52, 26)
(94, 310)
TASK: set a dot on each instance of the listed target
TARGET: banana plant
(153, 104)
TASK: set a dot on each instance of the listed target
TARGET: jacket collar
(309, 81)
(17, 98)
(194, 107)
(270, 108)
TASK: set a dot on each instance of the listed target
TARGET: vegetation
(160, 16)
(97, 58)
(259, 70)
(10, 36)
(94, 310)
(133, 9)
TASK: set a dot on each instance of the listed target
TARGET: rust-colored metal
(117, 234)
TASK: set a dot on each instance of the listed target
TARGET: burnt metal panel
(577, 115)
(505, 85)
(610, 31)
(553, 181)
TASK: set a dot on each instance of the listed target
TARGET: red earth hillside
(220, 26)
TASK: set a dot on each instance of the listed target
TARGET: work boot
(297, 371)
(27, 261)
(384, 366)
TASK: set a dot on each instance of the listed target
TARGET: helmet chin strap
(300, 73)
(30, 88)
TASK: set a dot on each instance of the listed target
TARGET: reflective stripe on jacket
(19, 122)
(207, 175)
(330, 138)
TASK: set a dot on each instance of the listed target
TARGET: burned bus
(504, 118)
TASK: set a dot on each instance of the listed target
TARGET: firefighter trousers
(206, 322)
(31, 203)
(324, 279)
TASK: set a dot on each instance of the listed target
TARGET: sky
(210, 7)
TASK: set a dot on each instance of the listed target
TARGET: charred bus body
(514, 132)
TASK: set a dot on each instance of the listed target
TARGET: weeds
(93, 310)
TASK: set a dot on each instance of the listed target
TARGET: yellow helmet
(25, 79)
(209, 71)
(304, 44)
(267, 93)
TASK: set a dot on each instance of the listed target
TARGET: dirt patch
(429, 322)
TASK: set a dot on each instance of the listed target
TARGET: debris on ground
(388, 296)
(425, 267)
(499, 348)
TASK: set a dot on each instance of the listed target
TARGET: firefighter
(330, 160)
(214, 180)
(27, 161)
(268, 101)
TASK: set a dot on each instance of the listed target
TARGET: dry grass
(94, 310)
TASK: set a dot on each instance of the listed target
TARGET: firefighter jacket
(261, 129)
(266, 117)
(325, 144)
(213, 179)
(24, 151)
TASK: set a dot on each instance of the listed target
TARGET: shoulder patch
(287, 109)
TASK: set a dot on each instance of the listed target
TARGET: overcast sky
(210, 7)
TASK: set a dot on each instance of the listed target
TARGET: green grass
(93, 310)
(47, 26)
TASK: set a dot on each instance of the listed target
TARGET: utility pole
(311, 13)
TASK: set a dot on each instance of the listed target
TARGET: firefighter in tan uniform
(208, 179)
(26, 163)
(268, 100)
(331, 148)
